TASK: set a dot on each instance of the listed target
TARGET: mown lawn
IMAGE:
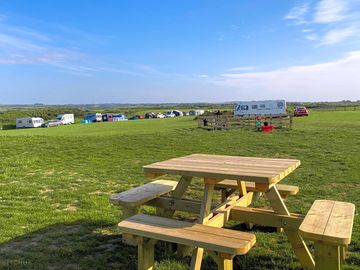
(55, 185)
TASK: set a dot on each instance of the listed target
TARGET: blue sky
(64, 51)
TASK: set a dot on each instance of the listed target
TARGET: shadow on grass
(80, 245)
(86, 244)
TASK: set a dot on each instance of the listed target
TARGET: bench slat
(339, 227)
(329, 221)
(139, 195)
(189, 234)
(250, 186)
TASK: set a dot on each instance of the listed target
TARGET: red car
(301, 111)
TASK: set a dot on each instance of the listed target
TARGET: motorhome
(29, 122)
(66, 119)
(265, 107)
(93, 117)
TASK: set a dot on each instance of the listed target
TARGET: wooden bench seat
(135, 197)
(223, 242)
(284, 190)
(329, 224)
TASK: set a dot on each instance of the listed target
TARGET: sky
(159, 51)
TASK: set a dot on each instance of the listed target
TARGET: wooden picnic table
(264, 172)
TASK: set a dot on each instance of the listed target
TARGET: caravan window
(19, 122)
(254, 107)
(280, 105)
(30, 122)
(244, 107)
(262, 106)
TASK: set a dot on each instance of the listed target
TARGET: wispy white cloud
(332, 21)
(27, 46)
(330, 11)
(241, 68)
(338, 35)
(325, 81)
(312, 36)
(22, 45)
(307, 30)
(298, 13)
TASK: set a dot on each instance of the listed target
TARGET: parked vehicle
(260, 107)
(119, 117)
(29, 122)
(52, 123)
(93, 117)
(66, 119)
(159, 115)
(150, 115)
(178, 113)
(170, 114)
(301, 111)
(107, 117)
(197, 112)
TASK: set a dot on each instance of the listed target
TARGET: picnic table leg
(225, 263)
(297, 243)
(343, 253)
(327, 257)
(178, 193)
(128, 212)
(256, 196)
(204, 216)
(145, 253)
(243, 192)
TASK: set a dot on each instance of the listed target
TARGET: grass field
(55, 185)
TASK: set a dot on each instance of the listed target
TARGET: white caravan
(29, 122)
(260, 107)
(66, 119)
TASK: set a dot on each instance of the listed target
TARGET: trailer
(29, 122)
(264, 107)
(66, 119)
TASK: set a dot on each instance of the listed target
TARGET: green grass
(55, 184)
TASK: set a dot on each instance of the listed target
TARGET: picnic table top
(261, 170)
